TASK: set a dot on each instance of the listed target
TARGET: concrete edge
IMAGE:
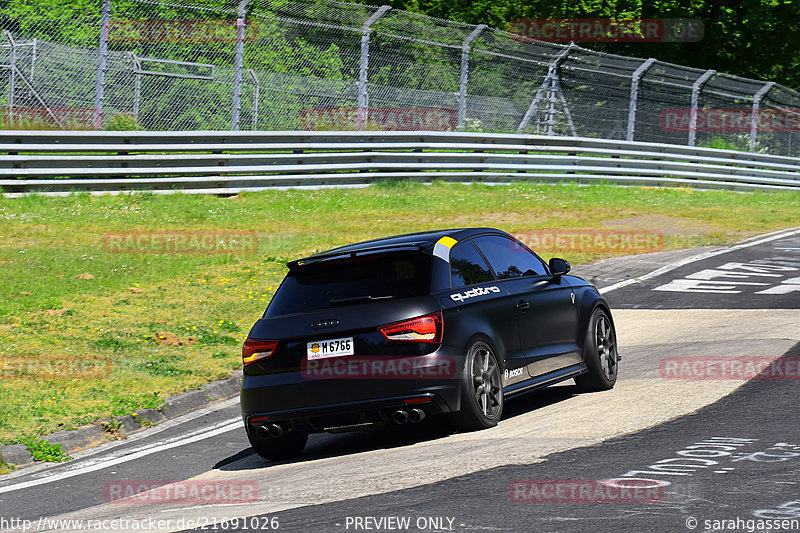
(119, 427)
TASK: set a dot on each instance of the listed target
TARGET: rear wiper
(357, 299)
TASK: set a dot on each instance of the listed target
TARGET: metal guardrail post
(462, 90)
(637, 74)
(366, 29)
(101, 65)
(697, 86)
(552, 74)
(237, 66)
(754, 120)
(11, 76)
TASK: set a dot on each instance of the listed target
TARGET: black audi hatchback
(398, 329)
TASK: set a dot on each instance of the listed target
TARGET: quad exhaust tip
(414, 415)
(270, 431)
(400, 417)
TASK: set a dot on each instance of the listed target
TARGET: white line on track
(770, 237)
(124, 455)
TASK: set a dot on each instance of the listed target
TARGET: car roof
(422, 240)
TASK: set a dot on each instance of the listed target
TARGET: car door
(484, 306)
(545, 307)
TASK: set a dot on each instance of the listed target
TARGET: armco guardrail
(57, 163)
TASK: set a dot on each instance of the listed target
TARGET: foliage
(122, 122)
(751, 38)
(739, 142)
(44, 451)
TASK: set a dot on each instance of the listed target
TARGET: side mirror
(558, 267)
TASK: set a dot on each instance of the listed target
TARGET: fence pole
(552, 72)
(637, 74)
(462, 91)
(697, 86)
(33, 58)
(366, 29)
(137, 85)
(11, 76)
(564, 105)
(101, 65)
(256, 91)
(754, 120)
(551, 104)
(237, 66)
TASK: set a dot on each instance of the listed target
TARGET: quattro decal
(478, 291)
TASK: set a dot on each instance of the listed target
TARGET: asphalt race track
(738, 459)
(687, 437)
(762, 276)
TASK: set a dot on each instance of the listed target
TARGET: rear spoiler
(344, 255)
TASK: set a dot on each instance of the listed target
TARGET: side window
(467, 267)
(508, 258)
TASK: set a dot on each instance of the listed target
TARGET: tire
(481, 389)
(274, 449)
(600, 354)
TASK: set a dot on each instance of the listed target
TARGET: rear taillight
(426, 328)
(254, 350)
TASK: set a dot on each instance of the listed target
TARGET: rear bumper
(345, 416)
(317, 403)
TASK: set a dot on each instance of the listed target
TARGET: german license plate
(330, 348)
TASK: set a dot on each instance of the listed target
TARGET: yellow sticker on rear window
(442, 248)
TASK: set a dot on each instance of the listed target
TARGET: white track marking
(105, 447)
(771, 237)
(125, 456)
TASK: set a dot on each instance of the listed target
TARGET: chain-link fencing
(331, 65)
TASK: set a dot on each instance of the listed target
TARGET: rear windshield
(360, 280)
